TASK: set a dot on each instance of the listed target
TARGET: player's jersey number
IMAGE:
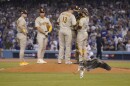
(64, 19)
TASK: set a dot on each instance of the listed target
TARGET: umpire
(99, 46)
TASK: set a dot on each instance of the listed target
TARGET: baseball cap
(42, 10)
(24, 12)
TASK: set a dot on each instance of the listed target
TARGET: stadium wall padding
(117, 55)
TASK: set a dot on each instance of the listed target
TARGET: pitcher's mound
(53, 67)
(44, 68)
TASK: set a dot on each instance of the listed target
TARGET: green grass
(121, 64)
(64, 79)
(50, 79)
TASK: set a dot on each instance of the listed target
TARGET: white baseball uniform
(41, 38)
(21, 36)
(66, 21)
(82, 37)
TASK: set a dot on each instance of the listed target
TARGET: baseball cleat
(68, 62)
(41, 61)
(59, 61)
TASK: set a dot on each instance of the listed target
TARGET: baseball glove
(49, 28)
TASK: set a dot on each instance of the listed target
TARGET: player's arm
(58, 23)
(58, 20)
(21, 26)
(40, 30)
(87, 20)
(37, 25)
(49, 26)
(73, 20)
(80, 23)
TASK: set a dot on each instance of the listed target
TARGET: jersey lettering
(64, 19)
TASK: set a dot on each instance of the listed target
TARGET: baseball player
(43, 26)
(22, 36)
(74, 32)
(66, 20)
(82, 35)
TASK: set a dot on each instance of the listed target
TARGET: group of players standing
(73, 25)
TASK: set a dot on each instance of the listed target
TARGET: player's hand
(46, 33)
(24, 31)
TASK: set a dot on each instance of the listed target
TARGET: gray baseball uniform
(82, 37)
(22, 37)
(41, 38)
(66, 21)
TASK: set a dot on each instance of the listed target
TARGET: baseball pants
(82, 42)
(65, 38)
(42, 43)
(22, 41)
